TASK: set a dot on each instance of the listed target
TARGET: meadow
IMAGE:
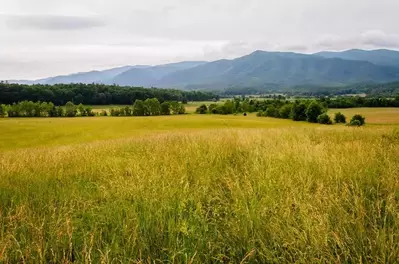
(198, 189)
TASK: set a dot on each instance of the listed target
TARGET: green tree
(89, 111)
(285, 111)
(182, 109)
(229, 107)
(298, 112)
(82, 110)
(358, 120)
(324, 119)
(60, 111)
(313, 111)
(271, 111)
(70, 109)
(165, 108)
(138, 108)
(3, 110)
(154, 106)
(128, 111)
(339, 118)
(175, 107)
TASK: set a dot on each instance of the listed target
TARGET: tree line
(313, 111)
(94, 94)
(352, 102)
(149, 107)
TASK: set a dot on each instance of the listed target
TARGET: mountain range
(260, 69)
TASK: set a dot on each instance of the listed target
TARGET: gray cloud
(378, 38)
(54, 22)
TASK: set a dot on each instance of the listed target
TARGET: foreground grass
(283, 195)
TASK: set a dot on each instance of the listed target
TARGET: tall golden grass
(284, 195)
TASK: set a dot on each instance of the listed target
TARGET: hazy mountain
(104, 76)
(379, 57)
(90, 77)
(151, 75)
(279, 69)
(260, 70)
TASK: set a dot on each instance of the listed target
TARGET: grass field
(373, 115)
(198, 189)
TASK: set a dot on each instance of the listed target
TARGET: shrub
(339, 118)
(103, 113)
(355, 123)
(202, 110)
(259, 114)
(360, 118)
(324, 119)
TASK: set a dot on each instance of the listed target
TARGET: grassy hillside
(197, 189)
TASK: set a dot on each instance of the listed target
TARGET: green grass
(197, 189)
(33, 132)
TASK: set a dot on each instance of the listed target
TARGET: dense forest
(94, 94)
(390, 89)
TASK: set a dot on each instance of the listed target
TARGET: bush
(339, 118)
(360, 118)
(324, 119)
(355, 123)
(202, 110)
(103, 113)
(259, 114)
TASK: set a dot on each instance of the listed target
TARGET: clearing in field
(197, 189)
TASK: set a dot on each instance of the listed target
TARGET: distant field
(33, 132)
(198, 189)
(373, 115)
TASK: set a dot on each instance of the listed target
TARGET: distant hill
(104, 76)
(380, 57)
(279, 69)
(151, 75)
(259, 70)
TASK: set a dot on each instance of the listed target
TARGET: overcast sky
(41, 38)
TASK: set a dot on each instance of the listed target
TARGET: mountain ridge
(257, 69)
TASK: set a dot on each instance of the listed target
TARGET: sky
(42, 38)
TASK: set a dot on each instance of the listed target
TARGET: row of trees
(94, 94)
(352, 102)
(311, 111)
(44, 109)
(149, 107)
